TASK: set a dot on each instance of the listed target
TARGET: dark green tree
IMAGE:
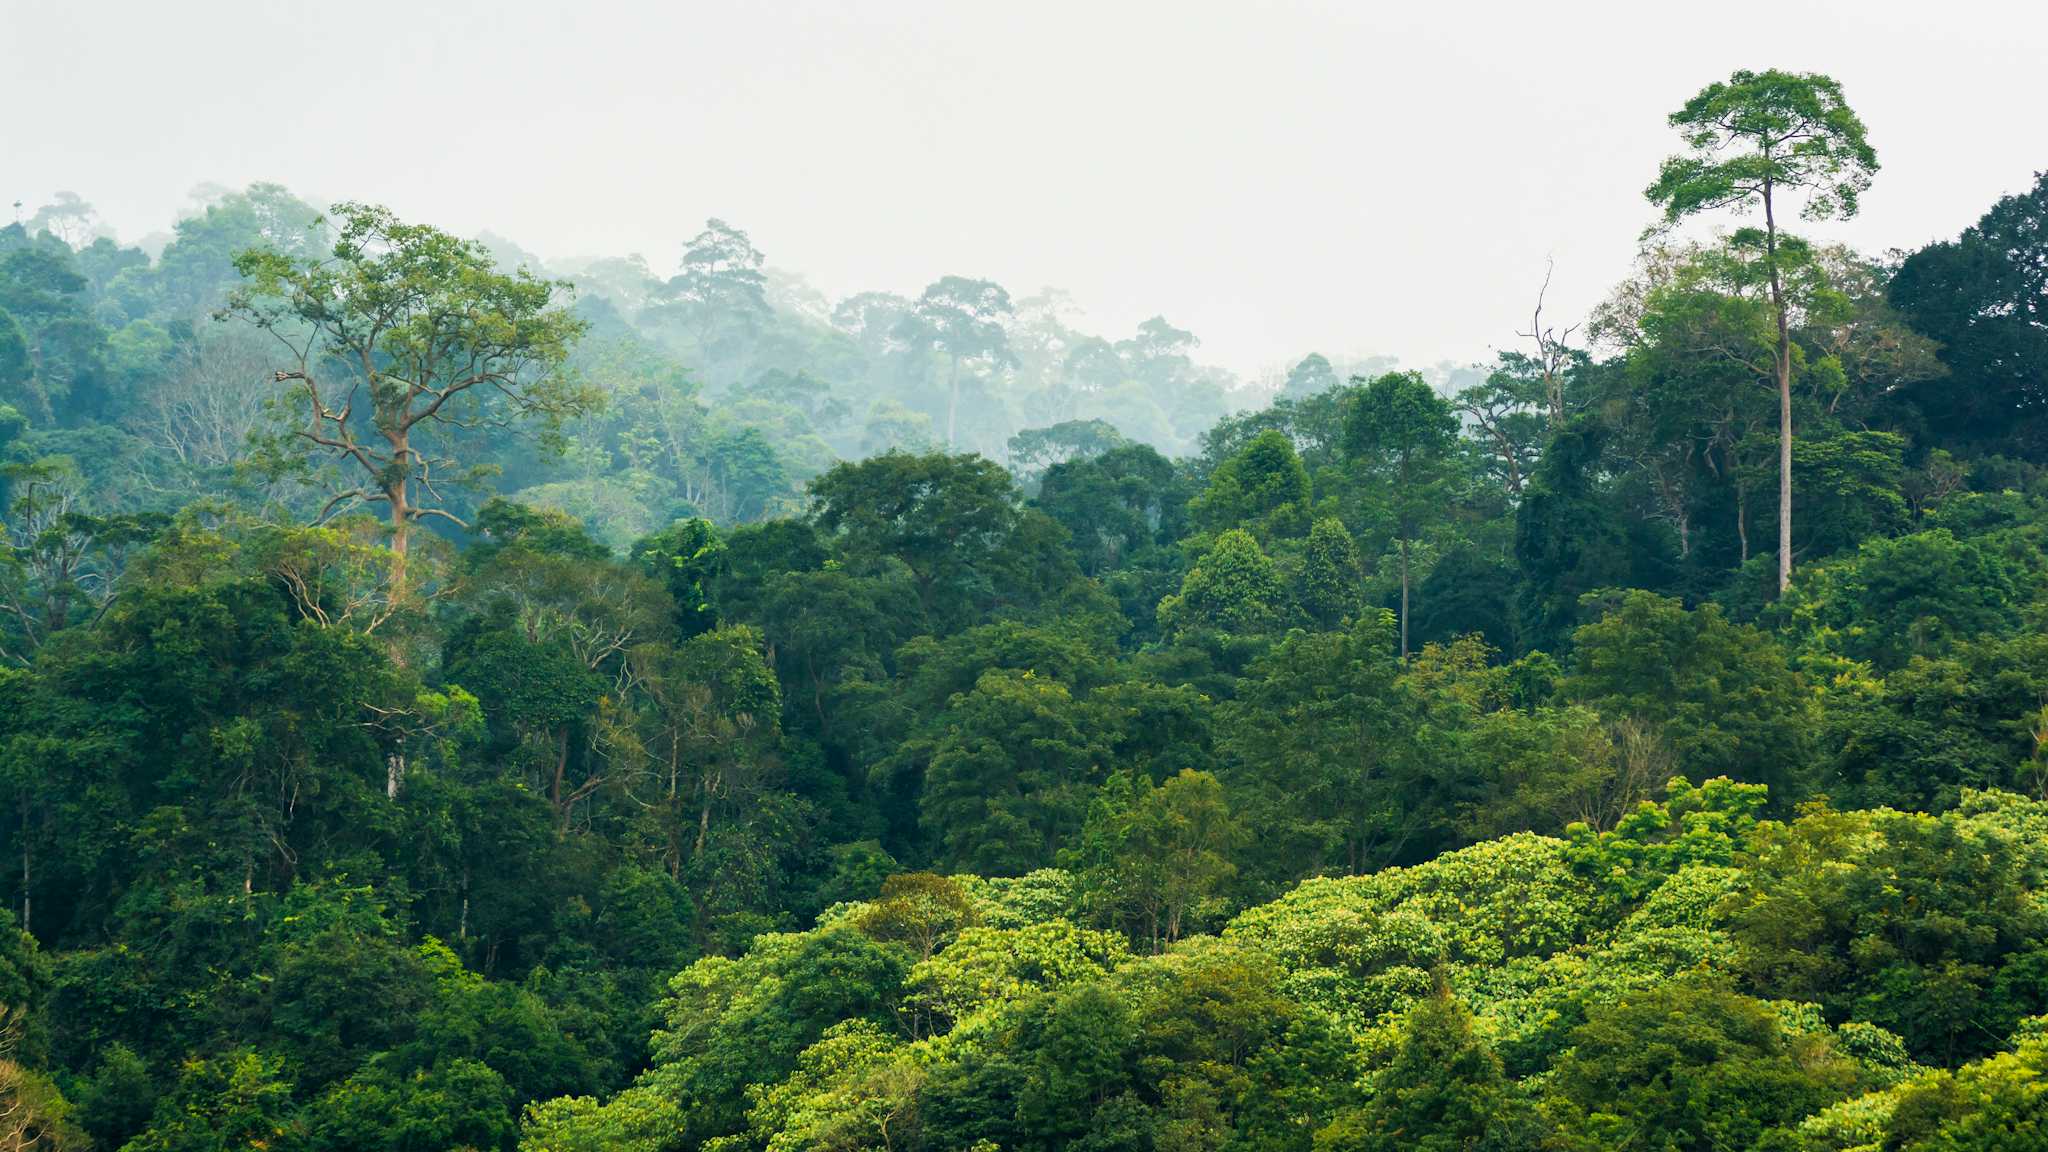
(1401, 435)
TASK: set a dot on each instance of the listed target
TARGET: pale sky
(1279, 178)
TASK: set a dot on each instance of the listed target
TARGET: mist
(1355, 180)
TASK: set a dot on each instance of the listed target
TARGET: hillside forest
(450, 700)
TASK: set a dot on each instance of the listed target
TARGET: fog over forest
(1113, 578)
(1295, 177)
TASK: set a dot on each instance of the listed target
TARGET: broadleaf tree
(403, 330)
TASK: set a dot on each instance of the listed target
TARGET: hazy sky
(1279, 178)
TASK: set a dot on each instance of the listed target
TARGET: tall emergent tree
(1404, 437)
(1750, 140)
(961, 319)
(402, 330)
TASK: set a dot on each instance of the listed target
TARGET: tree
(1009, 777)
(1915, 595)
(1309, 377)
(1984, 296)
(1507, 412)
(1569, 536)
(1328, 588)
(1034, 450)
(920, 909)
(232, 1102)
(1401, 434)
(710, 724)
(719, 295)
(1232, 588)
(197, 271)
(1988, 1106)
(57, 560)
(960, 319)
(1688, 1068)
(53, 354)
(722, 269)
(1720, 695)
(1115, 506)
(68, 218)
(1320, 752)
(402, 331)
(688, 557)
(1156, 858)
(1261, 487)
(952, 521)
(1918, 924)
(1749, 140)
(1554, 359)
(1443, 1091)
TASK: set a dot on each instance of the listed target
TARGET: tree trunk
(703, 819)
(952, 400)
(1742, 520)
(399, 498)
(1784, 398)
(561, 772)
(675, 803)
(1404, 598)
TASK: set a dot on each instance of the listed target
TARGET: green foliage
(1329, 585)
(1262, 487)
(1156, 860)
(1983, 297)
(430, 334)
(1568, 541)
(1767, 129)
(1322, 754)
(1008, 779)
(1997, 1103)
(1911, 596)
(1443, 1091)
(236, 1101)
(727, 786)
(1922, 925)
(1233, 588)
(1720, 696)
(1402, 437)
(1691, 1067)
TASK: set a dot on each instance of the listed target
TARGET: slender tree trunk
(561, 772)
(703, 818)
(675, 803)
(1784, 398)
(1742, 520)
(952, 400)
(1404, 597)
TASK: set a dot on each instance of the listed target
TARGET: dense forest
(453, 702)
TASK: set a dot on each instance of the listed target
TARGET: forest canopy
(455, 701)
